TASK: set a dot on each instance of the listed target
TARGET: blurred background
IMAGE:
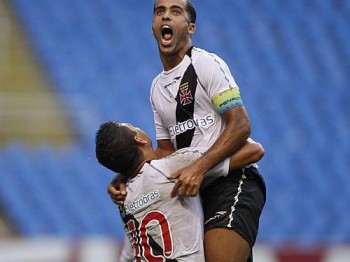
(67, 66)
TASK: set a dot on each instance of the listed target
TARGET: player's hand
(117, 190)
(189, 180)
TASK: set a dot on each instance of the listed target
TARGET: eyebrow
(171, 7)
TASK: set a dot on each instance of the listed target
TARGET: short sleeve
(161, 131)
(215, 77)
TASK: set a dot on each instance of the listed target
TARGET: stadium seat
(290, 59)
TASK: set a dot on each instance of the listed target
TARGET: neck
(147, 157)
(171, 61)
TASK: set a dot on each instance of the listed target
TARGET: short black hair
(116, 149)
(191, 10)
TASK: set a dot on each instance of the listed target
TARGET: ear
(139, 141)
(191, 28)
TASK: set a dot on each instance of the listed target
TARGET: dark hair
(191, 10)
(116, 149)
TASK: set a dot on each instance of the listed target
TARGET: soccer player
(196, 102)
(159, 227)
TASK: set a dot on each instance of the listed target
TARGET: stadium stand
(291, 61)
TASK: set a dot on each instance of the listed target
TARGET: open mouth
(167, 33)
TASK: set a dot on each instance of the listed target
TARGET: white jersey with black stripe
(210, 76)
(155, 223)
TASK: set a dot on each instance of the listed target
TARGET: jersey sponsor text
(143, 201)
(189, 124)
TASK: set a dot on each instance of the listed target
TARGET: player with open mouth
(196, 85)
(171, 27)
(167, 35)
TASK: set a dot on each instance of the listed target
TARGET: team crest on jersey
(185, 94)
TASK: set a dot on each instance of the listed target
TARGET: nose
(166, 15)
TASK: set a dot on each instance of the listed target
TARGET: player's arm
(117, 189)
(250, 153)
(232, 139)
(229, 142)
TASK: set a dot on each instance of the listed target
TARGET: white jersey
(157, 225)
(188, 100)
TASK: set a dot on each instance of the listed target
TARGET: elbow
(259, 152)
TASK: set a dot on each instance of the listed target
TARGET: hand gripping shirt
(188, 100)
(161, 228)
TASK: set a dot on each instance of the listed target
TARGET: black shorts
(235, 202)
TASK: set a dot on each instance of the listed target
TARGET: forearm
(229, 142)
(233, 137)
(250, 153)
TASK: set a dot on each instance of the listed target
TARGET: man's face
(171, 26)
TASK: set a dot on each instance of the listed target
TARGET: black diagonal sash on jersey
(185, 107)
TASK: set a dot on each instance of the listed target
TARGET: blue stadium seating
(291, 60)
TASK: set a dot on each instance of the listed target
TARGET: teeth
(166, 29)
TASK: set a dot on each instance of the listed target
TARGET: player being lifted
(157, 225)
